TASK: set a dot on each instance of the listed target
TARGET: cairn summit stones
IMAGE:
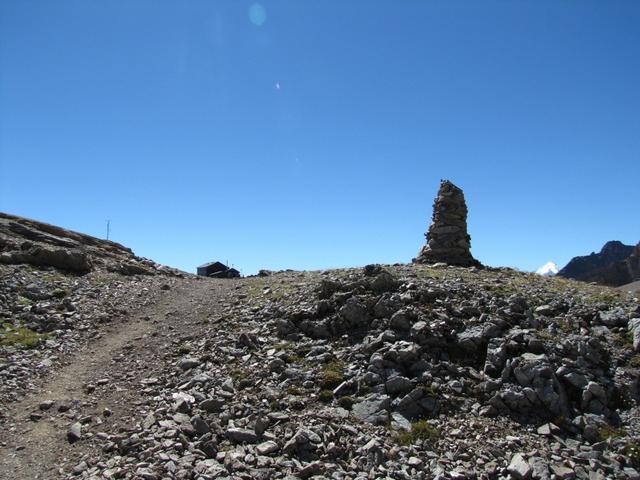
(447, 238)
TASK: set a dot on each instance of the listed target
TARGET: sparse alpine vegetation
(19, 336)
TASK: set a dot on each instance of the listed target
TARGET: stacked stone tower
(447, 238)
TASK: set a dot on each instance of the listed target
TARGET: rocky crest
(619, 273)
(447, 238)
(615, 265)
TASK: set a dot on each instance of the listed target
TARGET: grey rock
(578, 380)
(267, 448)
(303, 440)
(402, 319)
(548, 429)
(615, 317)
(227, 385)
(200, 425)
(398, 384)
(72, 260)
(496, 357)
(634, 328)
(399, 422)
(46, 405)
(212, 405)
(75, 432)
(384, 282)
(146, 474)
(475, 337)
(562, 472)
(277, 365)
(539, 468)
(519, 467)
(188, 363)
(311, 469)
(373, 409)
(240, 435)
(354, 313)
(545, 310)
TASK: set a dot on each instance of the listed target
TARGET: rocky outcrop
(616, 264)
(72, 260)
(629, 269)
(25, 241)
(447, 238)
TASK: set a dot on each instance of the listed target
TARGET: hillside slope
(403, 371)
(26, 241)
(631, 287)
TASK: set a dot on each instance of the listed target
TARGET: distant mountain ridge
(616, 264)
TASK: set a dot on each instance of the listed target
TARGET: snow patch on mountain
(549, 269)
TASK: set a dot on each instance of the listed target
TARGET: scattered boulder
(75, 432)
(519, 467)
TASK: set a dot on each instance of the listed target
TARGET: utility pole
(108, 226)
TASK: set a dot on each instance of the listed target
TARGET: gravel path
(102, 382)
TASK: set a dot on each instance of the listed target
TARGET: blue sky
(303, 134)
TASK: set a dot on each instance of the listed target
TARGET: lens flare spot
(257, 14)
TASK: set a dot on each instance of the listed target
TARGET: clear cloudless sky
(313, 134)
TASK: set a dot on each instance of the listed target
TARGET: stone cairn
(447, 238)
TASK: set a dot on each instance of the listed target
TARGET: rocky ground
(407, 371)
(398, 371)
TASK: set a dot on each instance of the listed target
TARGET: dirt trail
(108, 374)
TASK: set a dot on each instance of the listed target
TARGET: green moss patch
(346, 402)
(331, 375)
(420, 431)
(607, 431)
(19, 336)
(632, 451)
(325, 396)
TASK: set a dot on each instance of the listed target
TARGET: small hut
(217, 270)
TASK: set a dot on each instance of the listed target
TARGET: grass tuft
(420, 431)
(20, 336)
(325, 396)
(607, 431)
(331, 375)
(634, 361)
(346, 402)
(294, 391)
(623, 339)
(183, 350)
(632, 451)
